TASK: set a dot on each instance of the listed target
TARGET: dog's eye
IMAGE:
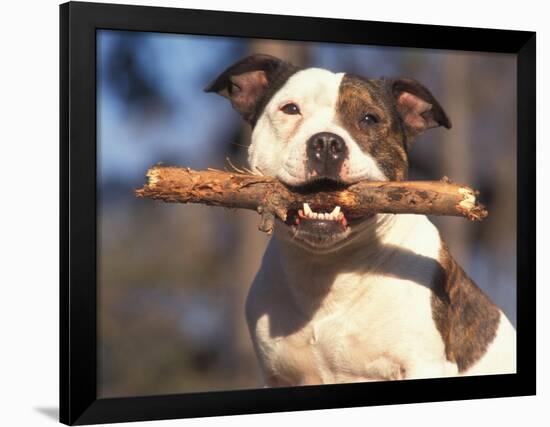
(368, 120)
(290, 108)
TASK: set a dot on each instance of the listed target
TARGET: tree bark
(272, 199)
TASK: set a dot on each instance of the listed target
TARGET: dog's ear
(417, 107)
(247, 82)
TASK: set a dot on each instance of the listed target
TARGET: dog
(341, 298)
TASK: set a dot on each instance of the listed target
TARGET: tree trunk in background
(501, 230)
(495, 266)
(252, 243)
(457, 149)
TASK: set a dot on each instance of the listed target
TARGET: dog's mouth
(321, 226)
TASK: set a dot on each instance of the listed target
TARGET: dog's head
(314, 130)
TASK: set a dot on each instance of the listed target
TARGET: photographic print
(265, 213)
(357, 274)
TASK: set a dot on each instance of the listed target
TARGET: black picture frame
(79, 403)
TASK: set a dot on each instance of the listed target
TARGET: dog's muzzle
(321, 227)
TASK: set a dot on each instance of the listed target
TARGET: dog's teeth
(307, 212)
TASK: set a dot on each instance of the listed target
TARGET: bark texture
(272, 199)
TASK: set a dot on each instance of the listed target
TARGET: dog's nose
(325, 153)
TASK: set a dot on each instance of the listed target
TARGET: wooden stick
(272, 199)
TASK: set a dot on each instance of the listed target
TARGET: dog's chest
(379, 337)
(329, 351)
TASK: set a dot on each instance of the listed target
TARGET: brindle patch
(385, 140)
(463, 314)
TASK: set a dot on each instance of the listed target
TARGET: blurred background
(173, 278)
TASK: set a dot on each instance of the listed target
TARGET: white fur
(278, 146)
(371, 325)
